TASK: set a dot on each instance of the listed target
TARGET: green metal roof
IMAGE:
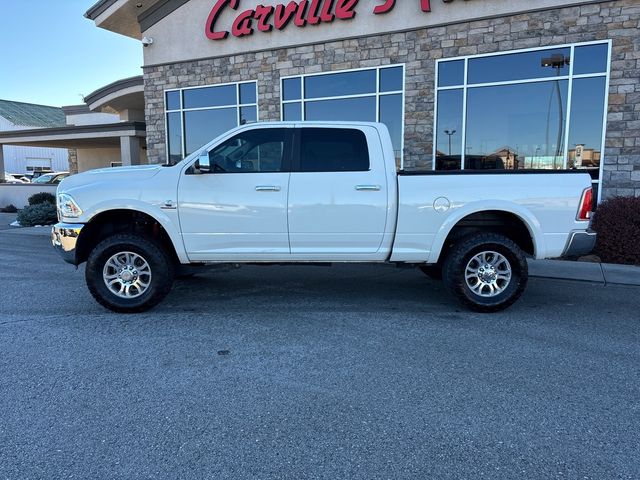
(30, 115)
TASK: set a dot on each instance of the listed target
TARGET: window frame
(238, 106)
(377, 94)
(570, 77)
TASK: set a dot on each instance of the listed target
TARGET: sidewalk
(585, 271)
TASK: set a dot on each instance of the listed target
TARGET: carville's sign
(304, 12)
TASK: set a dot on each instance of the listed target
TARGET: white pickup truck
(315, 193)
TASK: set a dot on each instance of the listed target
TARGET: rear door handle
(372, 188)
(267, 188)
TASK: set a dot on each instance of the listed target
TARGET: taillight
(586, 205)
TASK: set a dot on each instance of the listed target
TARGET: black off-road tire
(460, 254)
(434, 272)
(160, 262)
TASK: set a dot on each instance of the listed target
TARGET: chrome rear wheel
(486, 271)
(488, 274)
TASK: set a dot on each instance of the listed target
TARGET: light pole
(557, 62)
(449, 133)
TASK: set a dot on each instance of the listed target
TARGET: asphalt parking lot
(313, 372)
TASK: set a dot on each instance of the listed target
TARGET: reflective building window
(368, 95)
(195, 116)
(449, 142)
(533, 110)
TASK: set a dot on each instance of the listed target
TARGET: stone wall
(418, 50)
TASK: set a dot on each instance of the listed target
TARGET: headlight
(67, 206)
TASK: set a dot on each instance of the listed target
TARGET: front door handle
(371, 188)
(267, 188)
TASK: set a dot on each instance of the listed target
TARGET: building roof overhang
(126, 94)
(82, 136)
(125, 16)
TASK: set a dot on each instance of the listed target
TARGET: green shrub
(617, 222)
(11, 208)
(39, 214)
(42, 197)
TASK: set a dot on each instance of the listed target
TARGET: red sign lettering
(266, 18)
(300, 21)
(387, 7)
(262, 16)
(389, 4)
(345, 9)
(284, 14)
(213, 16)
(242, 24)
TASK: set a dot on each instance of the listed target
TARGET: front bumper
(64, 237)
(580, 243)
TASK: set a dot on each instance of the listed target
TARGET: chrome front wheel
(127, 274)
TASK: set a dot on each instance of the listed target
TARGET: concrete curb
(603, 273)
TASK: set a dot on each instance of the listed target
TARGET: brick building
(479, 84)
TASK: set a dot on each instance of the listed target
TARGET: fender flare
(529, 220)
(156, 213)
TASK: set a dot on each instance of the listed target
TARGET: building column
(130, 151)
(1, 162)
(73, 160)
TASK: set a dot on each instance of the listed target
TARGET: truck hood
(106, 175)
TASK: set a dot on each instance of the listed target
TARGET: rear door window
(332, 150)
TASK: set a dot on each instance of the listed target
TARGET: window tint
(449, 134)
(361, 109)
(333, 150)
(202, 126)
(585, 131)
(174, 137)
(292, 88)
(391, 79)
(247, 93)
(591, 59)
(339, 84)
(249, 152)
(451, 73)
(529, 134)
(210, 96)
(391, 116)
(173, 100)
(248, 115)
(292, 111)
(519, 66)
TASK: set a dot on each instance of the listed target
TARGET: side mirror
(202, 165)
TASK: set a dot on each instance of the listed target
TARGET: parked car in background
(11, 178)
(53, 177)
